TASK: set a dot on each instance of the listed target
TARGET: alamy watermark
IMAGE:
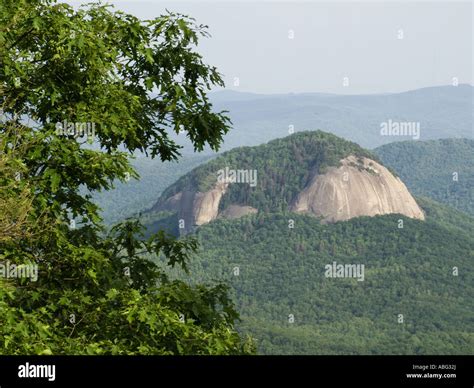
(400, 128)
(335, 270)
(78, 129)
(11, 270)
(28, 370)
(228, 175)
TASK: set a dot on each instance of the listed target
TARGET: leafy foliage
(96, 293)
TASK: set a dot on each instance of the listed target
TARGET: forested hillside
(439, 169)
(426, 167)
(277, 273)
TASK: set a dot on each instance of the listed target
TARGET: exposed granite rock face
(206, 205)
(358, 187)
(172, 203)
(194, 207)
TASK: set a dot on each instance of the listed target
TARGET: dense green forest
(275, 271)
(438, 169)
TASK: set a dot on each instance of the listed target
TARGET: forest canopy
(135, 81)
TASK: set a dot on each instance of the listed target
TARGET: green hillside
(281, 271)
(427, 169)
(455, 220)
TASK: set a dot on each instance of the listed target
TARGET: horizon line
(336, 94)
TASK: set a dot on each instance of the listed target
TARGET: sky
(329, 47)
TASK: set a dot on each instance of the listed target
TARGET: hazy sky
(281, 47)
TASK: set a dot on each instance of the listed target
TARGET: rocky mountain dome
(313, 173)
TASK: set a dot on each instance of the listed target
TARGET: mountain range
(441, 112)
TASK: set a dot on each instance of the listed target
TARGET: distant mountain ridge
(442, 111)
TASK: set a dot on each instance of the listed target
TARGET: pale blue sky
(331, 41)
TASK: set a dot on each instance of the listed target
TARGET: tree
(126, 84)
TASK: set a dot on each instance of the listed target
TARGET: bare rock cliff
(206, 205)
(358, 187)
(194, 207)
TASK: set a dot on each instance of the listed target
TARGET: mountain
(318, 264)
(314, 173)
(441, 112)
(439, 169)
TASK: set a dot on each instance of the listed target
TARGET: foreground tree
(64, 72)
